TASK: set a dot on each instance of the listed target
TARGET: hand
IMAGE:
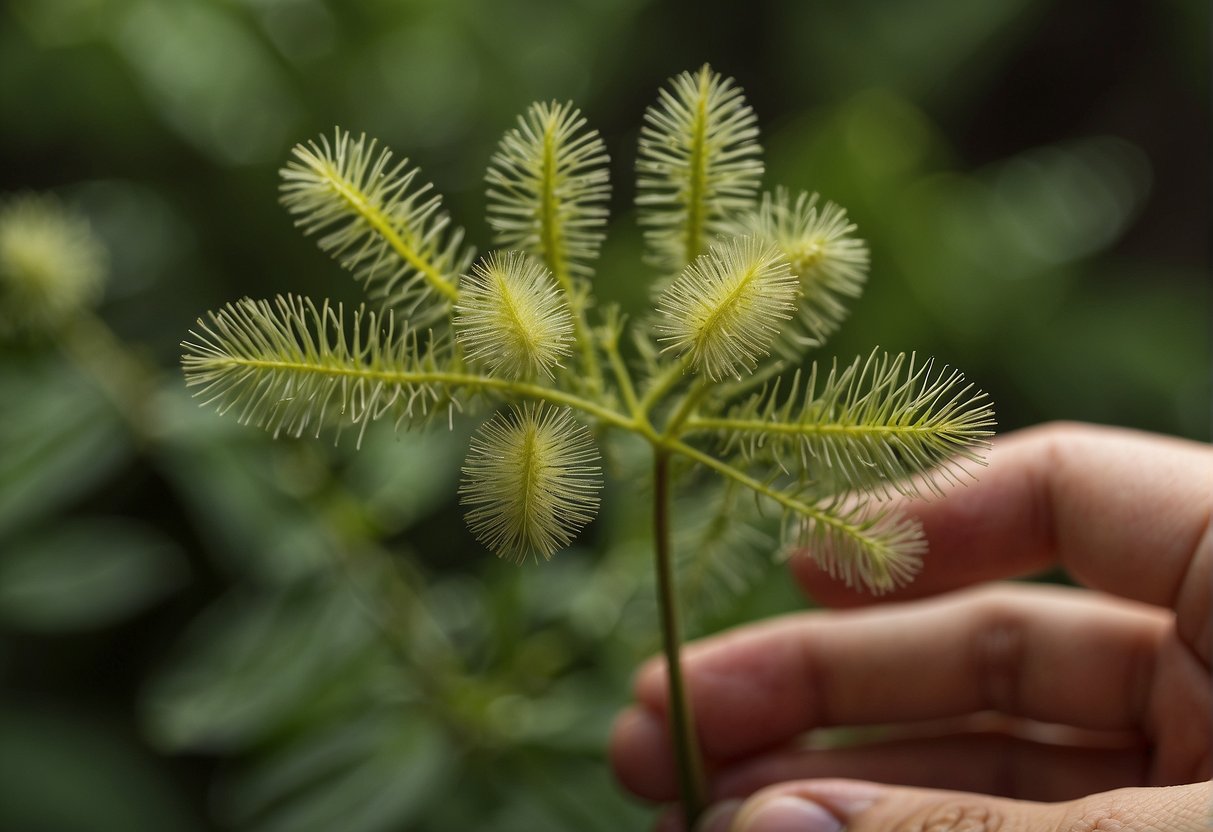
(1036, 707)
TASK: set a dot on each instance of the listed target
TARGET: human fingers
(992, 649)
(835, 805)
(1123, 511)
(1062, 766)
(1058, 767)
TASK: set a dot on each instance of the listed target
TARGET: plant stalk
(691, 787)
(122, 376)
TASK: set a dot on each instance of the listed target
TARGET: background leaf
(60, 771)
(88, 573)
(58, 443)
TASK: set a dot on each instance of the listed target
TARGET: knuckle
(1125, 811)
(1057, 431)
(1167, 809)
(1104, 820)
(997, 650)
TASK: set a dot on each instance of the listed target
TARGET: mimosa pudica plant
(712, 377)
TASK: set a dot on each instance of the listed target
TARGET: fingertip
(719, 817)
(786, 813)
(829, 801)
(641, 757)
(649, 685)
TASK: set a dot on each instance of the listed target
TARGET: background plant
(1048, 233)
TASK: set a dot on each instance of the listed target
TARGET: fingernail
(719, 818)
(788, 814)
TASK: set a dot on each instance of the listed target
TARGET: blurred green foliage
(206, 629)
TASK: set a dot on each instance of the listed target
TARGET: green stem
(691, 787)
(202, 371)
(663, 384)
(855, 531)
(622, 377)
(686, 407)
(697, 425)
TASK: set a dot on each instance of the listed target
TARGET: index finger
(1122, 511)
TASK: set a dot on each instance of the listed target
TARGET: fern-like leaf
(870, 425)
(721, 549)
(548, 189)
(371, 215)
(531, 480)
(877, 549)
(822, 251)
(512, 318)
(698, 164)
(292, 368)
(725, 309)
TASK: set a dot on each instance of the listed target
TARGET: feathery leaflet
(870, 425)
(698, 164)
(512, 318)
(531, 481)
(377, 222)
(876, 549)
(292, 368)
(822, 251)
(725, 308)
(548, 189)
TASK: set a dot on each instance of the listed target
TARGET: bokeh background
(205, 629)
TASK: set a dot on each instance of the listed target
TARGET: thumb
(853, 806)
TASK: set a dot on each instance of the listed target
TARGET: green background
(207, 629)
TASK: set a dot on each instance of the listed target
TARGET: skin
(1023, 706)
